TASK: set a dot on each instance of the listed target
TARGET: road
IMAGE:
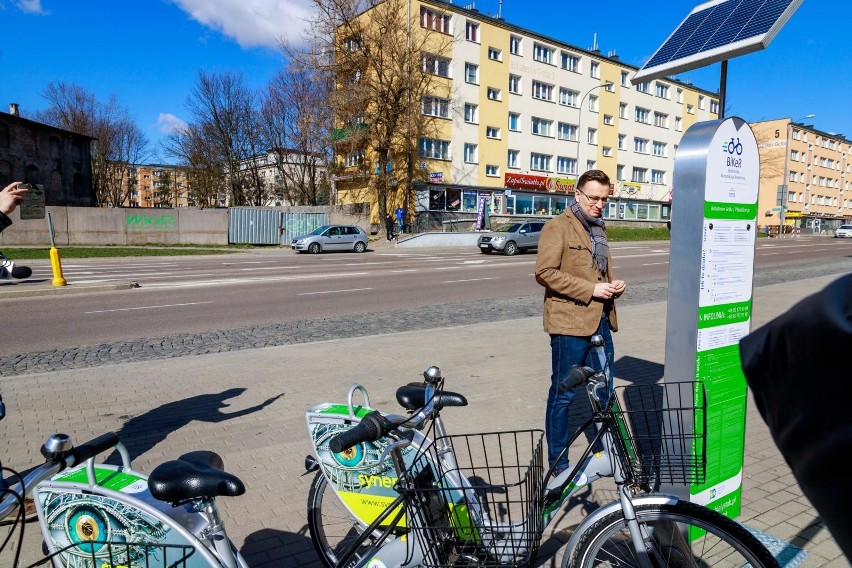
(212, 294)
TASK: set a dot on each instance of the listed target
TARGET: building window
(619, 172)
(566, 165)
(471, 32)
(714, 107)
(593, 103)
(661, 90)
(568, 97)
(661, 120)
(492, 171)
(493, 94)
(542, 91)
(642, 87)
(591, 165)
(514, 45)
(658, 148)
(543, 53)
(354, 158)
(492, 132)
(624, 78)
(435, 106)
(643, 115)
(678, 124)
(470, 153)
(621, 138)
(640, 175)
(690, 109)
(436, 149)
(592, 136)
(540, 162)
(542, 126)
(471, 73)
(515, 84)
(434, 20)
(640, 145)
(570, 62)
(606, 151)
(495, 54)
(512, 159)
(565, 131)
(622, 110)
(680, 96)
(471, 113)
(595, 70)
(701, 103)
(609, 120)
(514, 122)
(436, 65)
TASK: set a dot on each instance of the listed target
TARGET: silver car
(332, 237)
(843, 231)
(511, 238)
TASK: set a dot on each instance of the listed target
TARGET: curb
(8, 292)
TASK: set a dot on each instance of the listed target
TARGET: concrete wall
(140, 225)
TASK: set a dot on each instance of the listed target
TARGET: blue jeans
(565, 352)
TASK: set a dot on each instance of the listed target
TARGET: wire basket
(483, 510)
(97, 554)
(663, 428)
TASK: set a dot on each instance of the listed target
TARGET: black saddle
(193, 475)
(413, 396)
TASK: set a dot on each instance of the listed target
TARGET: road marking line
(147, 307)
(470, 280)
(334, 291)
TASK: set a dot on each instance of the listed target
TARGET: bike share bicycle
(96, 515)
(405, 499)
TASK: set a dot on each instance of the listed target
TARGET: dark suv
(511, 238)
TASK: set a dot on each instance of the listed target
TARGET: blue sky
(148, 52)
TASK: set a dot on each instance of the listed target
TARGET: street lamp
(580, 119)
(784, 190)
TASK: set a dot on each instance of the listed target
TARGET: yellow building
(157, 185)
(814, 168)
(522, 115)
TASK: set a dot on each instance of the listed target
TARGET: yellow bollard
(58, 280)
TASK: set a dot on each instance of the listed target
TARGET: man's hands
(608, 290)
(10, 197)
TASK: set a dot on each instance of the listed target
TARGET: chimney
(13, 109)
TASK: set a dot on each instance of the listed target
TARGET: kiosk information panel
(711, 268)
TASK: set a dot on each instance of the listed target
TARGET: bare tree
(119, 143)
(381, 64)
(164, 195)
(207, 185)
(296, 121)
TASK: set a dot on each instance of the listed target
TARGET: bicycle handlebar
(372, 427)
(93, 447)
(576, 376)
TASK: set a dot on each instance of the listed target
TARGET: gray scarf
(597, 233)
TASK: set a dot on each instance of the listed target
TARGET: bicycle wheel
(332, 526)
(722, 541)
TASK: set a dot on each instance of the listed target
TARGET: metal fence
(267, 226)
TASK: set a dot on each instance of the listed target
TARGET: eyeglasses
(594, 198)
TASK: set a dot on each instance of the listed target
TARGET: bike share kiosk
(716, 178)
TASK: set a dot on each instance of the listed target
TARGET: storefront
(529, 195)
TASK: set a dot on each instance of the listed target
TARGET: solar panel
(715, 31)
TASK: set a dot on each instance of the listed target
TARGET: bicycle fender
(605, 510)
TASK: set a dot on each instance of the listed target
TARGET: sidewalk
(164, 408)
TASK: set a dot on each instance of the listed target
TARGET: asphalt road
(190, 305)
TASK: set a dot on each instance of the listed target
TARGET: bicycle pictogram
(732, 147)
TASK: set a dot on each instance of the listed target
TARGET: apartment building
(807, 171)
(157, 185)
(527, 114)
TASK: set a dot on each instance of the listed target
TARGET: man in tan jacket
(574, 266)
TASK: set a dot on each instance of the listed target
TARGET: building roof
(7, 116)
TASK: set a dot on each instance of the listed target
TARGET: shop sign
(632, 187)
(436, 176)
(538, 183)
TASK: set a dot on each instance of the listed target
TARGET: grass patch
(30, 253)
(637, 234)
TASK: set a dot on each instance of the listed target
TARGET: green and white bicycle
(387, 495)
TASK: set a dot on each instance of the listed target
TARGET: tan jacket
(564, 267)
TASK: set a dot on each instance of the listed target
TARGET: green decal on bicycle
(107, 478)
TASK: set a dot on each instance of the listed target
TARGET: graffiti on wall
(142, 222)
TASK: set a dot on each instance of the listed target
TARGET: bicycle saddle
(413, 396)
(193, 475)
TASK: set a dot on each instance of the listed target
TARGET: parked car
(332, 237)
(843, 231)
(511, 238)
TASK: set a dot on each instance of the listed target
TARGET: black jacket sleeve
(797, 368)
(4, 221)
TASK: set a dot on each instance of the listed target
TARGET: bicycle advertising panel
(716, 174)
(117, 522)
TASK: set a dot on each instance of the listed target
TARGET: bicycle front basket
(475, 499)
(98, 554)
(663, 428)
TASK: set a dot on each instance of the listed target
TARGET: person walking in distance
(400, 219)
(389, 226)
(10, 197)
(575, 267)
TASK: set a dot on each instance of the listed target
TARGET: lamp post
(580, 120)
(784, 191)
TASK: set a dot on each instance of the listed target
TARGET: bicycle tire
(724, 543)
(333, 528)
